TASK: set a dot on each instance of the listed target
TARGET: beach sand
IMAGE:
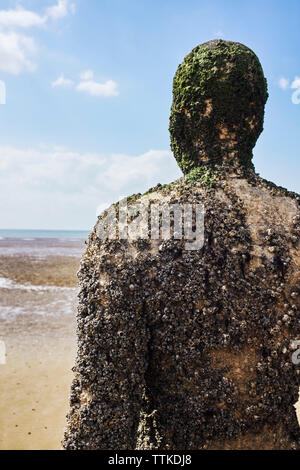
(40, 350)
(34, 390)
(57, 271)
(38, 327)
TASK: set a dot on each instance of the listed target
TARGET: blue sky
(88, 94)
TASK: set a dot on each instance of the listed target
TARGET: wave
(56, 308)
(8, 284)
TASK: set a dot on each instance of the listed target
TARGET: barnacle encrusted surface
(219, 94)
(181, 349)
(199, 342)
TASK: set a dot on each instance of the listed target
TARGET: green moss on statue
(204, 175)
(219, 94)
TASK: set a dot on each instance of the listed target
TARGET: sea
(25, 234)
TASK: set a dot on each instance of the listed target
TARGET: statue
(184, 348)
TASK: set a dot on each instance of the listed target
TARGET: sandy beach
(38, 298)
(34, 388)
(37, 323)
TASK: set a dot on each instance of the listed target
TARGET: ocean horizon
(27, 234)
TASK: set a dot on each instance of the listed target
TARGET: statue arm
(106, 394)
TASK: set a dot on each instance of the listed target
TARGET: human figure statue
(186, 347)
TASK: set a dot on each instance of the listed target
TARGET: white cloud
(65, 170)
(59, 188)
(59, 170)
(15, 52)
(296, 86)
(296, 83)
(87, 75)
(60, 10)
(283, 83)
(63, 82)
(90, 86)
(109, 88)
(15, 48)
(20, 18)
(296, 96)
(124, 171)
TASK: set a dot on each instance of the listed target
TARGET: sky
(87, 87)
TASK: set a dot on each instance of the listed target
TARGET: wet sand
(34, 390)
(38, 299)
(49, 271)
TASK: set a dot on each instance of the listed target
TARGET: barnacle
(182, 349)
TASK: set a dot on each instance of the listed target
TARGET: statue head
(217, 114)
